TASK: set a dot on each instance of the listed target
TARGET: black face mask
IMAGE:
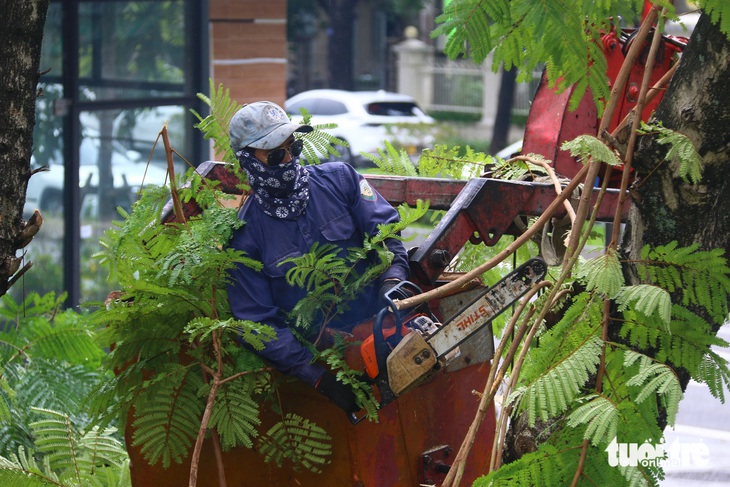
(282, 190)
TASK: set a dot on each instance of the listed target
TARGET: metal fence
(459, 86)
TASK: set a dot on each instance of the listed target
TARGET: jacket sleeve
(250, 298)
(369, 210)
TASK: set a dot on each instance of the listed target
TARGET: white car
(365, 119)
(45, 188)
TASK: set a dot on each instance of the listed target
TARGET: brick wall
(248, 48)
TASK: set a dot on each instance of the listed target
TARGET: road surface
(702, 428)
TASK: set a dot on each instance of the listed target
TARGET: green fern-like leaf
(553, 391)
(103, 449)
(254, 334)
(318, 141)
(318, 269)
(446, 162)
(469, 22)
(6, 393)
(167, 417)
(640, 332)
(719, 12)
(235, 415)
(34, 305)
(603, 274)
(300, 441)
(54, 385)
(713, 371)
(57, 438)
(79, 458)
(556, 462)
(637, 420)
(516, 170)
(70, 458)
(701, 276)
(686, 345)
(22, 470)
(578, 323)
(681, 151)
(656, 378)
(215, 125)
(586, 147)
(334, 357)
(648, 300)
(600, 416)
(393, 161)
(66, 337)
(330, 275)
(563, 35)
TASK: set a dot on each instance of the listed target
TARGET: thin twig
(453, 478)
(504, 414)
(611, 107)
(639, 108)
(19, 274)
(553, 178)
(195, 461)
(640, 104)
(216, 382)
(245, 372)
(658, 87)
(220, 466)
(171, 171)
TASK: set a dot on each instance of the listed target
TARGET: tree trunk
(664, 207)
(697, 104)
(339, 61)
(503, 120)
(21, 33)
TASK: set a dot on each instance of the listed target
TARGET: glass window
(295, 108)
(393, 109)
(51, 49)
(330, 107)
(134, 75)
(131, 49)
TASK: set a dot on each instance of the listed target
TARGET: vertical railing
(461, 86)
(458, 86)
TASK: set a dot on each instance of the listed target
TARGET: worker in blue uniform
(291, 207)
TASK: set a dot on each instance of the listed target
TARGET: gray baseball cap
(262, 125)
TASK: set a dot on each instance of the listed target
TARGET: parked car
(45, 188)
(365, 119)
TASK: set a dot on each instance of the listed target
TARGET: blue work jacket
(342, 209)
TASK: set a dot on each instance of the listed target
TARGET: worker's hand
(337, 392)
(387, 285)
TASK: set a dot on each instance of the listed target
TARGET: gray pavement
(702, 433)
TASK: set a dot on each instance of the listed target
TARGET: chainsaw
(398, 358)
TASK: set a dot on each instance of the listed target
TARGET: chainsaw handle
(381, 348)
(402, 290)
(355, 419)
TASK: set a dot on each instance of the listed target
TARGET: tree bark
(697, 104)
(21, 34)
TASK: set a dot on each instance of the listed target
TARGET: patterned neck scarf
(281, 191)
